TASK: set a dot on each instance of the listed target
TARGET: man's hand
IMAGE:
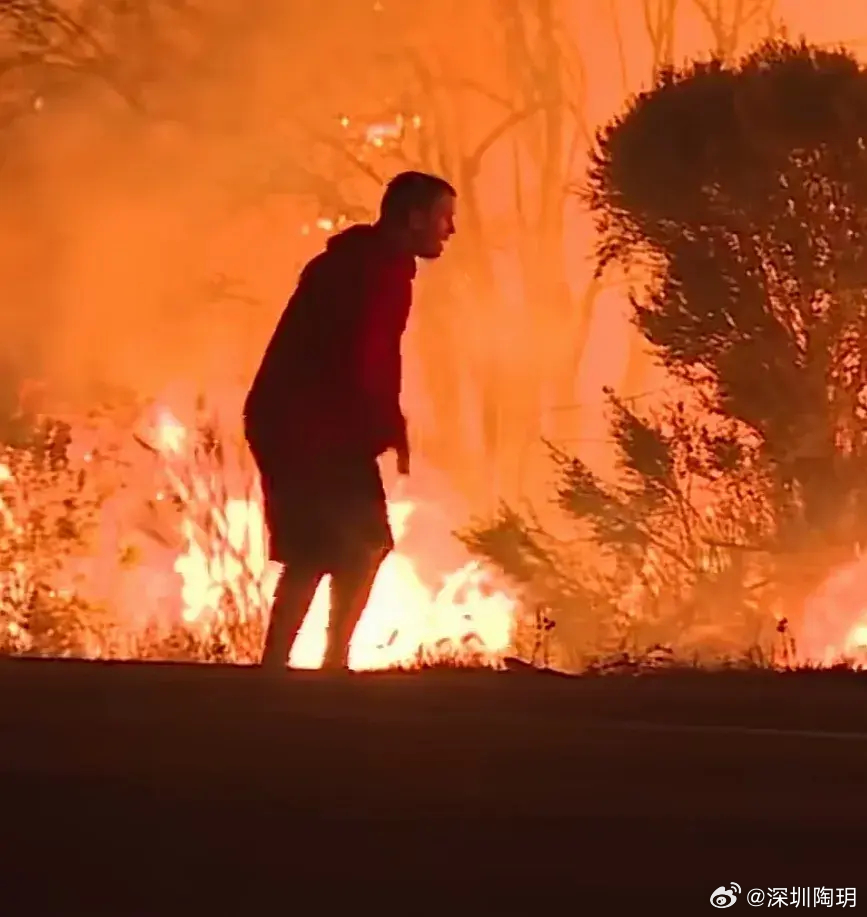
(402, 450)
(403, 460)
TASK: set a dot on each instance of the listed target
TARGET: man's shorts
(326, 515)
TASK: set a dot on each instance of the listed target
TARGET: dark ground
(172, 789)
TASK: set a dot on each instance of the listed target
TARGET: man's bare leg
(292, 599)
(350, 591)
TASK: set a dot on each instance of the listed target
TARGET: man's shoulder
(331, 266)
(353, 273)
(316, 267)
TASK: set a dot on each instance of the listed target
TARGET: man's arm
(387, 297)
(282, 382)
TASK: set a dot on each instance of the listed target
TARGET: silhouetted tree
(732, 26)
(743, 191)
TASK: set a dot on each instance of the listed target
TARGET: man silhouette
(325, 404)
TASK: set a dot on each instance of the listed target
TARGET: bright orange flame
(171, 434)
(834, 627)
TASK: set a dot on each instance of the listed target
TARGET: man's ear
(415, 220)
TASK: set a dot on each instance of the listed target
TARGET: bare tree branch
(621, 51)
(344, 151)
(473, 161)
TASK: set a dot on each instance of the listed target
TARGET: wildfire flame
(193, 564)
(466, 621)
(834, 628)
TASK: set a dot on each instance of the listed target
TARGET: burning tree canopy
(497, 95)
(394, 89)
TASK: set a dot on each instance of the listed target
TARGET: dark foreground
(143, 789)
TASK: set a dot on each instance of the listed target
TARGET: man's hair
(411, 191)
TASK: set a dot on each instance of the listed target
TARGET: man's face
(431, 229)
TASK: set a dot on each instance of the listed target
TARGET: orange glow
(834, 626)
(149, 246)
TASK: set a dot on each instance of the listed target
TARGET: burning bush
(226, 586)
(49, 514)
(658, 560)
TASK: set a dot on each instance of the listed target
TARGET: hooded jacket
(329, 383)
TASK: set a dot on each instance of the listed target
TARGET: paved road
(208, 789)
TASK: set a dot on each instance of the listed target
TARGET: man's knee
(352, 581)
(295, 590)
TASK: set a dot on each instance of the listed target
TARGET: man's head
(419, 209)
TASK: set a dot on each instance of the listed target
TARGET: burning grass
(146, 540)
(132, 535)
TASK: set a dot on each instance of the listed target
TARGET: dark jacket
(329, 384)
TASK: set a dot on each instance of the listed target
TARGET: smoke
(116, 212)
(100, 251)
